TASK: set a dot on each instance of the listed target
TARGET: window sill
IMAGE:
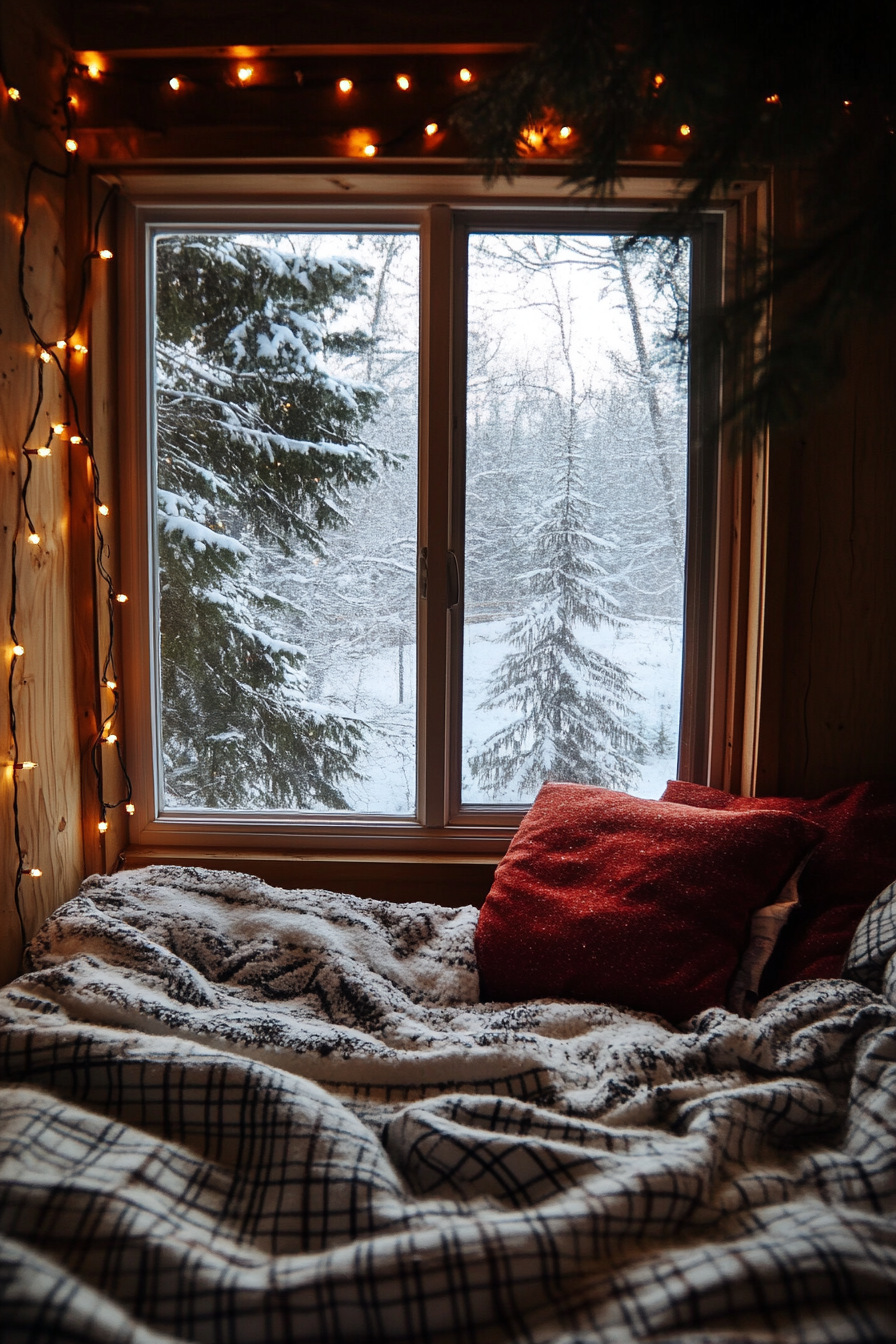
(439, 878)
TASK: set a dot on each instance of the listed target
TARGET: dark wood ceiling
(165, 26)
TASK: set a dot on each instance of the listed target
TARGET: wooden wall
(49, 797)
(829, 677)
(828, 712)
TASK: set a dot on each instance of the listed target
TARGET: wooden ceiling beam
(335, 27)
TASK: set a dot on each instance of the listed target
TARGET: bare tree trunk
(653, 406)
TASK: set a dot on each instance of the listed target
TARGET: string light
(121, 597)
(565, 132)
(773, 98)
(111, 685)
(130, 809)
(369, 151)
(684, 130)
(103, 827)
(47, 353)
(431, 128)
(659, 81)
(14, 94)
(93, 70)
(105, 255)
(465, 75)
(345, 85)
(174, 83)
(111, 738)
(403, 82)
(245, 73)
(104, 510)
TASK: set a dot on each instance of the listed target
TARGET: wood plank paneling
(49, 797)
(835, 502)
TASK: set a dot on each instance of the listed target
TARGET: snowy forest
(286, 484)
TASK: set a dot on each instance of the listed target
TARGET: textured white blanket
(232, 1113)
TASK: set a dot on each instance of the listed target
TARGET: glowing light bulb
(684, 130)
(111, 685)
(659, 81)
(403, 82)
(103, 827)
(14, 94)
(465, 75)
(35, 872)
(121, 597)
(565, 132)
(75, 438)
(59, 429)
(174, 83)
(345, 85)
(34, 538)
(245, 73)
(369, 151)
(71, 146)
(93, 70)
(431, 128)
(18, 650)
(79, 349)
(112, 738)
(45, 452)
(26, 765)
(773, 98)
(105, 254)
(44, 357)
(60, 345)
(72, 100)
(130, 809)
(104, 510)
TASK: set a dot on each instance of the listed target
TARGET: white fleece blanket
(233, 1113)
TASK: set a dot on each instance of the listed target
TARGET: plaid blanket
(231, 1113)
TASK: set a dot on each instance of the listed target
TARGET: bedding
(233, 1113)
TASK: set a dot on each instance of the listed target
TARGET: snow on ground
(650, 650)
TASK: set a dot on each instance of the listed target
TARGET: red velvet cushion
(606, 897)
(855, 860)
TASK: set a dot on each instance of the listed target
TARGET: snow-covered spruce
(258, 443)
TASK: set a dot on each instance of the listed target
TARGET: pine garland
(780, 84)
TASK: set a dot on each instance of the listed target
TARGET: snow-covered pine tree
(257, 444)
(571, 704)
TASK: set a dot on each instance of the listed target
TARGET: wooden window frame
(725, 562)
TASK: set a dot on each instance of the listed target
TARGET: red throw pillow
(855, 860)
(615, 899)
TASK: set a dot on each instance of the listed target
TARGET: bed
(234, 1113)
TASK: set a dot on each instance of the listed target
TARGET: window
(427, 515)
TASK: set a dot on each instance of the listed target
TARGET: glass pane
(575, 513)
(286, 445)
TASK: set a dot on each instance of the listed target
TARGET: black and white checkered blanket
(232, 1114)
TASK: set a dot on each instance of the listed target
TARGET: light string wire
(48, 354)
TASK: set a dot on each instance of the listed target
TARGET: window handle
(453, 580)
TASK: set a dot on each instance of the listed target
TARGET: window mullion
(435, 462)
